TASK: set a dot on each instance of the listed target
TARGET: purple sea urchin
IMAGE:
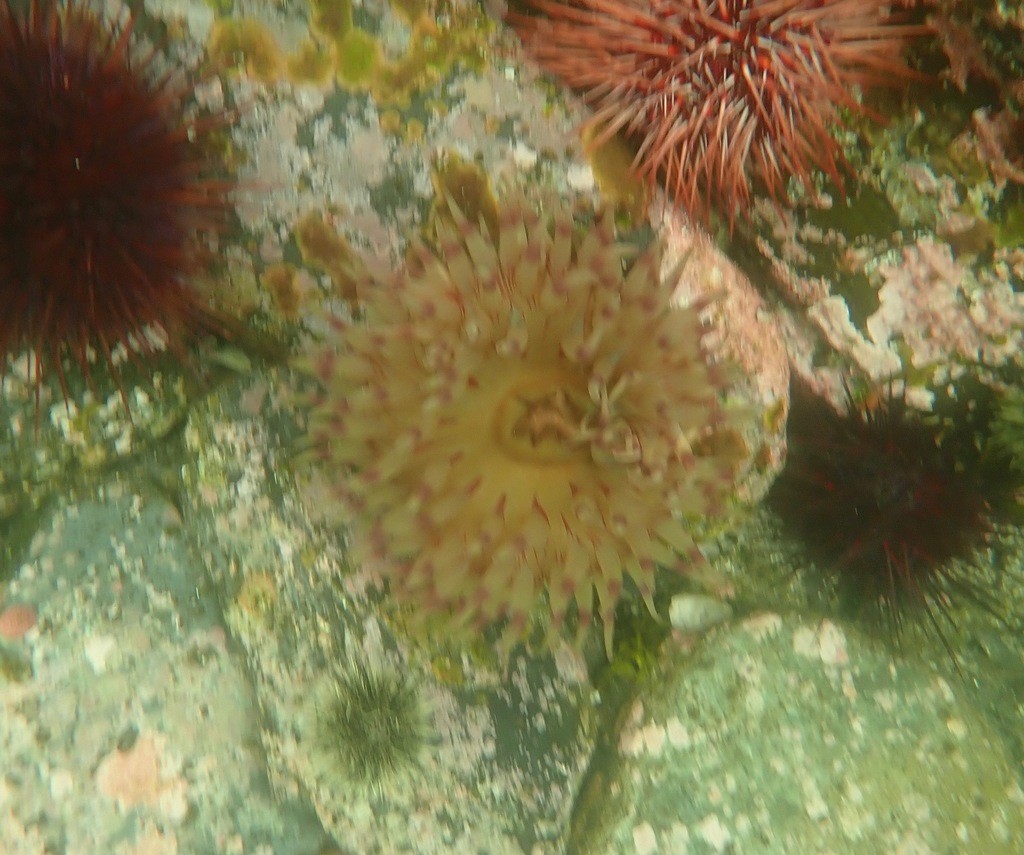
(883, 505)
(103, 185)
(517, 417)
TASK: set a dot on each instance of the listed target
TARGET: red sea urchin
(720, 94)
(104, 183)
(884, 504)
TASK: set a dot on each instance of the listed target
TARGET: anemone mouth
(557, 418)
(538, 419)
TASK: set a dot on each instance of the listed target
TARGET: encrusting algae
(522, 415)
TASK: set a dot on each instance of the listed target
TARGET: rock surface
(787, 736)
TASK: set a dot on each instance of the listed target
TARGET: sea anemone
(889, 505)
(104, 183)
(720, 94)
(516, 417)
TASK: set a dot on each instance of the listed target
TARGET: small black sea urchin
(104, 183)
(882, 502)
(370, 726)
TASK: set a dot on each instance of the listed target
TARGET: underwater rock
(746, 335)
(785, 735)
(133, 718)
(485, 758)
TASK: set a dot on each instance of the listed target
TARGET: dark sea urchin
(720, 95)
(371, 726)
(884, 504)
(104, 184)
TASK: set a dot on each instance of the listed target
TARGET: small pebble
(97, 650)
(697, 613)
(61, 784)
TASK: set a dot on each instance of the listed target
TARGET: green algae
(358, 58)
(248, 44)
(332, 18)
